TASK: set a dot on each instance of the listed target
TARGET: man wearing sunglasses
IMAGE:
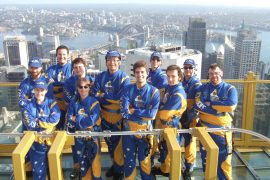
(189, 119)
(108, 89)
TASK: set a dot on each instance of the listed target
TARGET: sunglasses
(188, 67)
(155, 58)
(83, 87)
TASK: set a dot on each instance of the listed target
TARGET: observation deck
(251, 153)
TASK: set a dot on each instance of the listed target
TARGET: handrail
(54, 154)
(146, 132)
(240, 130)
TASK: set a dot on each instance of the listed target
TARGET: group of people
(67, 98)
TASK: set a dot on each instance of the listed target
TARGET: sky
(248, 3)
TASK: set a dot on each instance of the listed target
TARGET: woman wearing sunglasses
(84, 115)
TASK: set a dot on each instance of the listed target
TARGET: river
(90, 39)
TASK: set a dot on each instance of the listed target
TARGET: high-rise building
(49, 42)
(195, 38)
(247, 52)
(261, 69)
(32, 49)
(229, 52)
(15, 50)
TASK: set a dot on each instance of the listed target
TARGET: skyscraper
(49, 42)
(196, 38)
(229, 53)
(15, 50)
(247, 52)
(32, 49)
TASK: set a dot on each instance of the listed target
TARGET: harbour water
(89, 39)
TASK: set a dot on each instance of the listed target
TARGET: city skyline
(238, 3)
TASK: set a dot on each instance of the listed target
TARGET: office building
(32, 49)
(229, 52)
(195, 38)
(247, 53)
(49, 43)
(15, 50)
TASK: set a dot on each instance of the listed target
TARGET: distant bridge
(127, 32)
(131, 29)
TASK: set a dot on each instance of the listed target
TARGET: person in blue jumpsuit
(216, 101)
(108, 89)
(70, 93)
(57, 75)
(41, 114)
(139, 105)
(84, 115)
(171, 108)
(79, 67)
(189, 119)
(157, 78)
(26, 87)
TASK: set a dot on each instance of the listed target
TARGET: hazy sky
(251, 3)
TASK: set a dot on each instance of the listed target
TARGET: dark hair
(84, 80)
(139, 64)
(214, 66)
(62, 47)
(175, 67)
(79, 60)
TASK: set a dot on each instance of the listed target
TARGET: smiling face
(62, 56)
(113, 64)
(79, 70)
(215, 75)
(188, 71)
(40, 94)
(35, 72)
(173, 77)
(83, 89)
(155, 62)
(140, 75)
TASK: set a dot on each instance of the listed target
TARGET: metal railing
(61, 138)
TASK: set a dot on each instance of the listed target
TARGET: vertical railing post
(55, 164)
(19, 153)
(249, 105)
(175, 151)
(211, 150)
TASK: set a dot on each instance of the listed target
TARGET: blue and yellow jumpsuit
(223, 99)
(71, 93)
(41, 118)
(112, 86)
(84, 115)
(26, 93)
(158, 79)
(145, 102)
(56, 76)
(189, 120)
(170, 111)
